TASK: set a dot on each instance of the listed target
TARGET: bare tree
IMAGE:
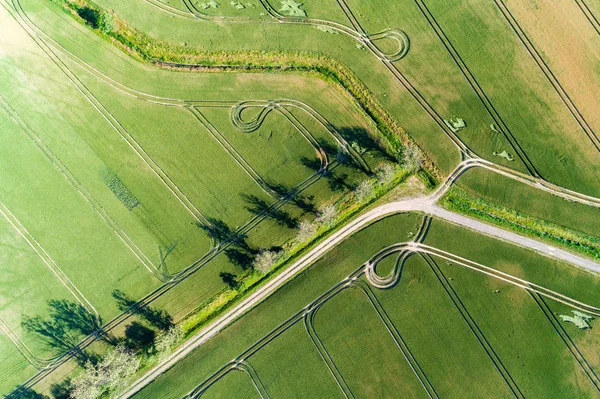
(385, 173)
(264, 261)
(327, 215)
(364, 190)
(167, 340)
(413, 158)
(107, 378)
(306, 231)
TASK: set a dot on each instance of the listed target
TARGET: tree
(264, 261)
(412, 158)
(385, 173)
(306, 231)
(108, 377)
(364, 190)
(327, 215)
(106, 24)
(167, 340)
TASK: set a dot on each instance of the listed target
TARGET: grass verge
(458, 200)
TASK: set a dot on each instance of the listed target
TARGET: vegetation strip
(458, 200)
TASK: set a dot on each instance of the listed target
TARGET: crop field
(317, 164)
(532, 135)
(430, 327)
(141, 175)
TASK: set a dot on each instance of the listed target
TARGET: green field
(154, 149)
(434, 322)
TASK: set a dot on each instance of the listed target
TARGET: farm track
(13, 337)
(558, 88)
(416, 368)
(47, 259)
(42, 39)
(589, 15)
(577, 197)
(237, 157)
(481, 94)
(322, 350)
(564, 336)
(220, 247)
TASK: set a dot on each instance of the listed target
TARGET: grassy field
(426, 315)
(325, 273)
(122, 170)
(519, 262)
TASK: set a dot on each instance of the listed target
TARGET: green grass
(522, 337)
(424, 315)
(81, 141)
(437, 335)
(234, 384)
(294, 373)
(363, 350)
(528, 200)
(521, 93)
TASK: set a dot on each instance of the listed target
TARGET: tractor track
(558, 88)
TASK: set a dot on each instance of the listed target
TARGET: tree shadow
(217, 229)
(67, 323)
(337, 182)
(230, 279)
(158, 318)
(240, 257)
(26, 393)
(304, 203)
(258, 206)
(138, 336)
(61, 390)
(360, 139)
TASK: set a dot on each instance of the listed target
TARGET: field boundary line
(322, 349)
(468, 319)
(589, 15)
(40, 38)
(34, 360)
(248, 369)
(477, 89)
(416, 368)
